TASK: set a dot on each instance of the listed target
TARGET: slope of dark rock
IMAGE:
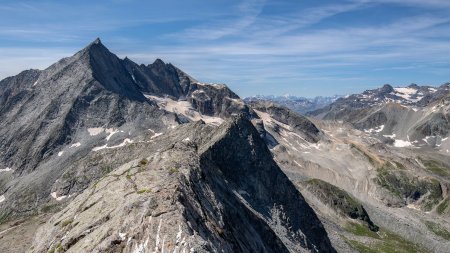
(197, 188)
(288, 117)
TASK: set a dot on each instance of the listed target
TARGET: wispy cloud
(245, 15)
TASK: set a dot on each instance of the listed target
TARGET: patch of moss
(173, 170)
(66, 223)
(398, 165)
(387, 242)
(405, 186)
(340, 201)
(3, 218)
(361, 230)
(435, 195)
(59, 248)
(106, 169)
(443, 206)
(436, 167)
(143, 191)
(143, 162)
(360, 247)
(49, 208)
(438, 230)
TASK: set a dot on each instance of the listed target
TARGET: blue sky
(300, 47)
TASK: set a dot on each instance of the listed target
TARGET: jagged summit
(387, 88)
(158, 62)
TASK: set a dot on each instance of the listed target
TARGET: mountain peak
(97, 41)
(387, 88)
(159, 62)
(95, 45)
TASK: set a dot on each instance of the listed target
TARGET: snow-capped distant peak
(406, 90)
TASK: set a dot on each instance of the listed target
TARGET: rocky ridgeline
(106, 145)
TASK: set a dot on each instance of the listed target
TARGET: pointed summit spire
(96, 43)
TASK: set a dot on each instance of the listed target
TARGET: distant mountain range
(101, 154)
(412, 115)
(301, 105)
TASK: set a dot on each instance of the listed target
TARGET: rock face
(288, 117)
(53, 118)
(199, 188)
(110, 148)
(341, 201)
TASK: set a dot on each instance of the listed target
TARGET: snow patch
(374, 130)
(6, 170)
(392, 136)
(125, 142)
(184, 108)
(75, 145)
(406, 93)
(55, 196)
(178, 238)
(406, 90)
(156, 135)
(60, 153)
(2, 198)
(110, 132)
(95, 131)
(123, 236)
(34, 84)
(401, 143)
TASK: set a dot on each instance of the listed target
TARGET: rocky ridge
(107, 146)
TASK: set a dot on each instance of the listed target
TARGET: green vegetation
(66, 223)
(438, 230)
(361, 230)
(436, 167)
(59, 248)
(106, 169)
(3, 218)
(398, 165)
(443, 206)
(173, 170)
(403, 185)
(340, 201)
(384, 241)
(143, 162)
(144, 191)
(50, 208)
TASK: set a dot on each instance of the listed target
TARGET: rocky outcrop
(200, 189)
(286, 116)
(54, 118)
(340, 201)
